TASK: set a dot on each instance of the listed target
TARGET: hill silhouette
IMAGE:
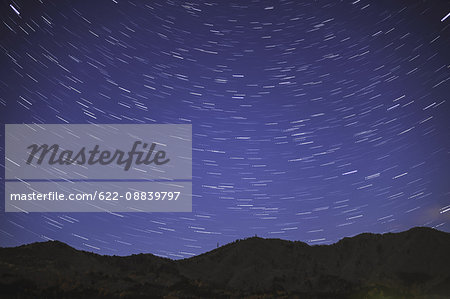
(410, 264)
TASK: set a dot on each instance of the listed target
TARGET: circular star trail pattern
(312, 120)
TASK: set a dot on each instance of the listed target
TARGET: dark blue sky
(312, 120)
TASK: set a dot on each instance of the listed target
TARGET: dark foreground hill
(410, 264)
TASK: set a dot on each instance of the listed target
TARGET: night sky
(312, 120)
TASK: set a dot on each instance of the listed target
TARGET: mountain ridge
(411, 263)
(361, 235)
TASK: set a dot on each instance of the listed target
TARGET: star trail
(312, 120)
